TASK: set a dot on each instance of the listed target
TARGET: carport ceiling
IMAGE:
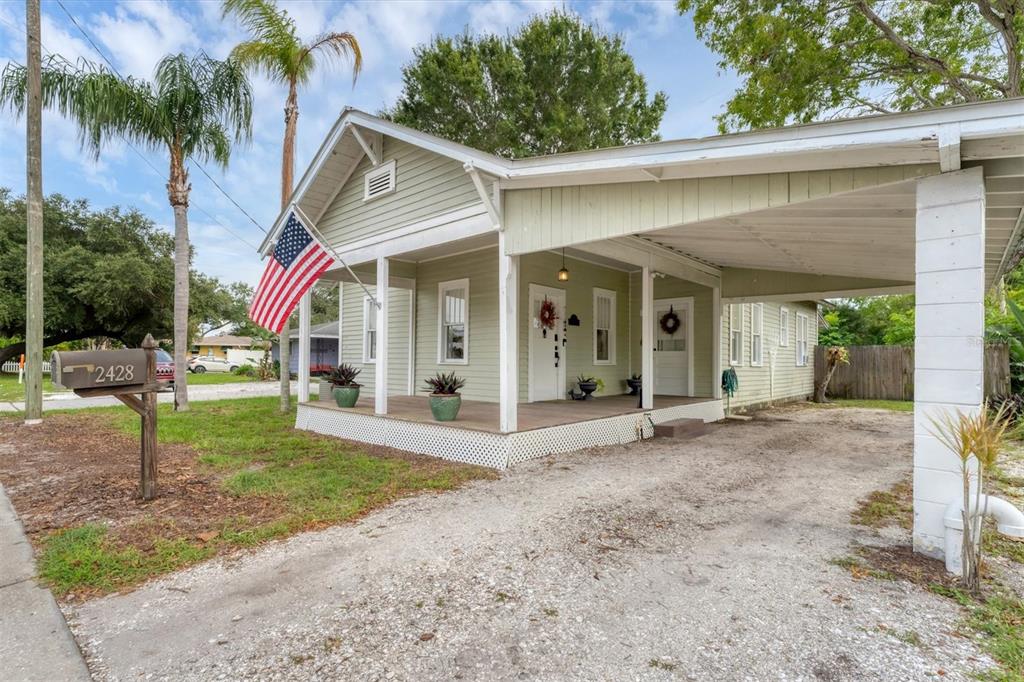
(866, 233)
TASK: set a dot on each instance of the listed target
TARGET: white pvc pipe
(1009, 521)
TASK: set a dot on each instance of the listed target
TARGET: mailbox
(98, 368)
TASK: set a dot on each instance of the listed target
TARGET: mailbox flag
(296, 263)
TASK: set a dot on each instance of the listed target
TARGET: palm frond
(266, 23)
(262, 58)
(336, 45)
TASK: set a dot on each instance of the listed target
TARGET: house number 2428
(114, 373)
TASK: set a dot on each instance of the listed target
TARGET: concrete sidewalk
(69, 401)
(36, 642)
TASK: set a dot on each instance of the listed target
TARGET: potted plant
(346, 390)
(635, 383)
(587, 384)
(445, 400)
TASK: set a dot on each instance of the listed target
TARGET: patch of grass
(1000, 620)
(859, 569)
(11, 390)
(906, 636)
(881, 508)
(84, 558)
(255, 452)
(893, 405)
(661, 664)
(217, 378)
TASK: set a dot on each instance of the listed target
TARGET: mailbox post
(122, 374)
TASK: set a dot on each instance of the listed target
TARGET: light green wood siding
(791, 381)
(481, 370)
(671, 287)
(542, 268)
(398, 341)
(427, 185)
(537, 219)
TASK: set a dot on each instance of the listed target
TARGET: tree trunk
(34, 220)
(177, 191)
(291, 119)
(821, 388)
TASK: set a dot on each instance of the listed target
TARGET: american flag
(298, 260)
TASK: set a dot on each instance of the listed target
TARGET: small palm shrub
(444, 384)
(344, 375)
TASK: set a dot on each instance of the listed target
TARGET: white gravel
(702, 559)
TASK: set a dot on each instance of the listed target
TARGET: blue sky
(136, 34)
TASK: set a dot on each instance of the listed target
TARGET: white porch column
(380, 379)
(305, 315)
(508, 338)
(716, 343)
(341, 319)
(949, 336)
(647, 337)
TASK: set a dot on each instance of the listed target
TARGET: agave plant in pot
(445, 400)
(345, 388)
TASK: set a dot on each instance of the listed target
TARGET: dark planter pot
(346, 396)
(634, 385)
(587, 387)
(445, 407)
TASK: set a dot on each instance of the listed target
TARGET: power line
(103, 56)
(149, 163)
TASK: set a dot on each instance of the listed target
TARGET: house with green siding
(659, 265)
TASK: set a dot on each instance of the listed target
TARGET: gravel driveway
(701, 559)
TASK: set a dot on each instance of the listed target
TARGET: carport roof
(989, 134)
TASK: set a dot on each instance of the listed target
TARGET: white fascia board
(1000, 117)
(641, 253)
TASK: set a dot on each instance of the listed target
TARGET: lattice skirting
(495, 450)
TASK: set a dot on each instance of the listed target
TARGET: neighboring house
(739, 234)
(240, 349)
(323, 348)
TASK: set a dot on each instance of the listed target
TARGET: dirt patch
(76, 469)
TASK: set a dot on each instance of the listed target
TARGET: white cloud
(142, 32)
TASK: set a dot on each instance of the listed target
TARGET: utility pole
(34, 221)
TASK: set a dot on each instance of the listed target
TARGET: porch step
(680, 428)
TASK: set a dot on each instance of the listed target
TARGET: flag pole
(327, 245)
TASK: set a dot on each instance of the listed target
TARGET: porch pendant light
(563, 274)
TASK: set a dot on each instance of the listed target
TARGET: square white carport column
(949, 336)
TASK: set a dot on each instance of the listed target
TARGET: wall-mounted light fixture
(563, 274)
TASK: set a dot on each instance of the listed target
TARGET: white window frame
(442, 287)
(735, 350)
(611, 295)
(388, 168)
(801, 344)
(783, 326)
(369, 349)
(757, 333)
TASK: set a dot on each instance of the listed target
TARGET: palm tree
(195, 108)
(276, 51)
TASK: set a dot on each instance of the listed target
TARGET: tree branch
(16, 349)
(928, 61)
(1004, 24)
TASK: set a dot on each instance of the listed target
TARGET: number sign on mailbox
(98, 368)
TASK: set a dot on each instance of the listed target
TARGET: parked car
(200, 365)
(164, 367)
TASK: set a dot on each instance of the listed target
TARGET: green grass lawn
(255, 455)
(11, 390)
(214, 378)
(894, 405)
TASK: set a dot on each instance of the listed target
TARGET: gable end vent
(379, 181)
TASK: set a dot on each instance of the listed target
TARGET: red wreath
(547, 314)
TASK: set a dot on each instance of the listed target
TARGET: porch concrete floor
(483, 416)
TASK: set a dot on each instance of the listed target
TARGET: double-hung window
(801, 340)
(783, 326)
(735, 334)
(756, 334)
(604, 327)
(453, 322)
(369, 330)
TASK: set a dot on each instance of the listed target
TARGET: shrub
(344, 375)
(444, 384)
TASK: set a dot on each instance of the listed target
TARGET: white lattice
(495, 450)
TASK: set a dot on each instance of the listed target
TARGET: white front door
(547, 346)
(673, 371)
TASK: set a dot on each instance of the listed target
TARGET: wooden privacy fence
(887, 372)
